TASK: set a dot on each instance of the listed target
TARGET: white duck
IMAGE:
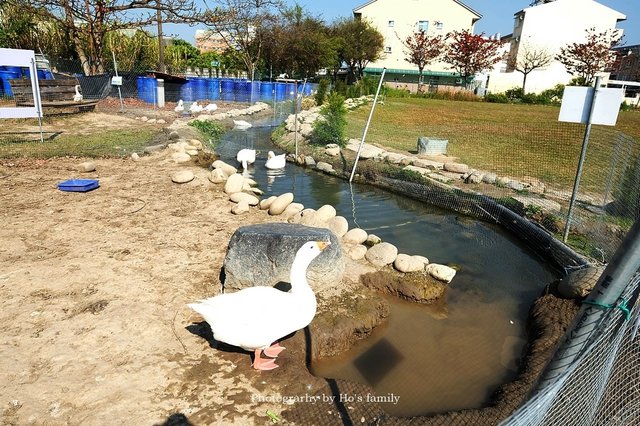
(275, 161)
(241, 124)
(195, 108)
(246, 157)
(180, 106)
(256, 317)
(77, 97)
(211, 107)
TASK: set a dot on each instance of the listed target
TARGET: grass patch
(515, 140)
(112, 143)
(209, 129)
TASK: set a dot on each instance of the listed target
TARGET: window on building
(423, 26)
(387, 49)
(439, 25)
(392, 23)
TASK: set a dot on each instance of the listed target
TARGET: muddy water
(434, 358)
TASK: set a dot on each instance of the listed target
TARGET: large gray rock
(262, 255)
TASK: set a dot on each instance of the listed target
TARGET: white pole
(115, 68)
(366, 128)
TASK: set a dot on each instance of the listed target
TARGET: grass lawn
(511, 139)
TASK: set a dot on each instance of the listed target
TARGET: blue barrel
(226, 90)
(266, 91)
(310, 88)
(48, 75)
(281, 91)
(291, 90)
(146, 89)
(213, 88)
(255, 91)
(5, 76)
(187, 91)
(17, 70)
(200, 85)
(42, 75)
(242, 89)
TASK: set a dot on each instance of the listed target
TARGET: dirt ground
(94, 285)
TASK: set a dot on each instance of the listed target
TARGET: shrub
(497, 98)
(321, 94)
(331, 129)
(209, 129)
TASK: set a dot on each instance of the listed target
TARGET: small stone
(234, 183)
(456, 167)
(324, 167)
(181, 157)
(279, 204)
(372, 240)
(338, 225)
(334, 152)
(226, 168)
(441, 272)
(135, 156)
(87, 166)
(515, 185)
(144, 118)
(489, 178)
(325, 213)
(406, 263)
(356, 252)
(240, 208)
(151, 121)
(239, 197)
(266, 203)
(192, 152)
(257, 191)
(161, 121)
(174, 136)
(196, 143)
(292, 210)
(355, 236)
(309, 161)
(183, 176)
(217, 176)
(382, 254)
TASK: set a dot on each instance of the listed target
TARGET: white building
(548, 27)
(398, 19)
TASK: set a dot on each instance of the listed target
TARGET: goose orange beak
(323, 244)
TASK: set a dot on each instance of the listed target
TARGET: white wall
(551, 26)
(406, 14)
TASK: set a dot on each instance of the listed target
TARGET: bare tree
(528, 59)
(88, 22)
(240, 24)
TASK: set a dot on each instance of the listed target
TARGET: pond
(449, 356)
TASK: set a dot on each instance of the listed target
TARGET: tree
(241, 23)
(298, 44)
(529, 59)
(358, 43)
(592, 56)
(422, 49)
(469, 54)
(88, 22)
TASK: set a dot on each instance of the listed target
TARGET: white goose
(256, 317)
(211, 107)
(180, 106)
(195, 108)
(241, 124)
(275, 161)
(246, 157)
(77, 97)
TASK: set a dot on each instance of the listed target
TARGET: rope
(622, 306)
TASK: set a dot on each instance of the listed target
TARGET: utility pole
(160, 40)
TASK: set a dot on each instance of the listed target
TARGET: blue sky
(497, 15)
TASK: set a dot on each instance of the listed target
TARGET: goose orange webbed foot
(274, 350)
(262, 363)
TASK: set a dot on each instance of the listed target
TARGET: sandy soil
(94, 285)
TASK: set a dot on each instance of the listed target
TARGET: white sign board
(26, 59)
(116, 80)
(577, 100)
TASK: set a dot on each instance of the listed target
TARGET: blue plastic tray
(78, 185)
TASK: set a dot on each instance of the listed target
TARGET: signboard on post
(24, 59)
(576, 103)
